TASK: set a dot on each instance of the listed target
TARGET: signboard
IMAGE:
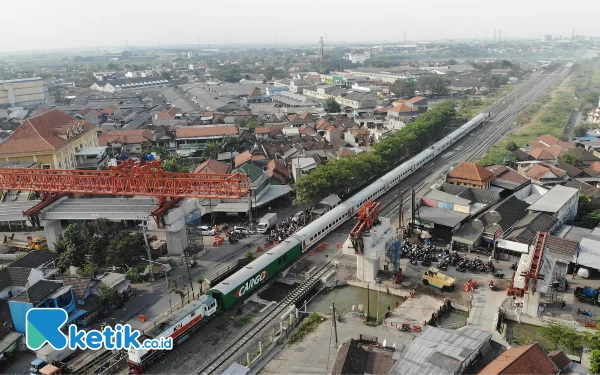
(498, 234)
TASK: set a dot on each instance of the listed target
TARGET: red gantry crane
(130, 178)
(367, 216)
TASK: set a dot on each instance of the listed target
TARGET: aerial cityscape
(232, 188)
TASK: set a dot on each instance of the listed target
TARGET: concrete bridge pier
(52, 229)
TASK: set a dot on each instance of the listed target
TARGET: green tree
(580, 130)
(200, 280)
(511, 146)
(331, 106)
(403, 88)
(571, 158)
(160, 151)
(249, 255)
(89, 270)
(71, 248)
(125, 248)
(179, 292)
(107, 294)
(561, 335)
(523, 340)
(595, 361)
(174, 163)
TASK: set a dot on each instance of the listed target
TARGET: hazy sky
(55, 24)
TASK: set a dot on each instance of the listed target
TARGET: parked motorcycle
(499, 275)
(514, 266)
(584, 312)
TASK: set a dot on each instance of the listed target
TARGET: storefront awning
(231, 207)
(274, 192)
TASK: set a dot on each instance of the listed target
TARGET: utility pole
(145, 227)
(368, 300)
(412, 208)
(322, 53)
(334, 325)
(400, 221)
(187, 264)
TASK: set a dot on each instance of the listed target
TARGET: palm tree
(200, 281)
(178, 292)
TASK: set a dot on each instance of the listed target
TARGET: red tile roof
(507, 174)
(205, 131)
(212, 166)
(43, 133)
(125, 137)
(416, 99)
(277, 170)
(560, 359)
(548, 139)
(305, 129)
(402, 108)
(537, 171)
(521, 360)
(110, 110)
(470, 173)
(542, 154)
(242, 158)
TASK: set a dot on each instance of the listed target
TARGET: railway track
(503, 113)
(219, 364)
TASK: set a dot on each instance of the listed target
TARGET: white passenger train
(319, 228)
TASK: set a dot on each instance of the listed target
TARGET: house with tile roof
(470, 175)
(126, 141)
(212, 166)
(507, 180)
(194, 138)
(545, 174)
(50, 139)
(278, 172)
(521, 360)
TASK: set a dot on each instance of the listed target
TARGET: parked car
(207, 231)
(242, 231)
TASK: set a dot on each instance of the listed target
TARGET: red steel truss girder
(134, 180)
(535, 266)
(367, 215)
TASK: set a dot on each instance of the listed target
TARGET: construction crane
(367, 217)
(130, 178)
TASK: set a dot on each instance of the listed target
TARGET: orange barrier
(590, 324)
(266, 245)
(218, 240)
(412, 293)
(339, 245)
(142, 318)
(406, 326)
(311, 253)
(417, 328)
(258, 249)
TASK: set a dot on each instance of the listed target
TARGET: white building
(302, 166)
(22, 92)
(560, 202)
(593, 116)
(358, 56)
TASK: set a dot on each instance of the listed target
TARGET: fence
(266, 340)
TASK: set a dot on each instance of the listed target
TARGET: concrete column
(177, 241)
(52, 229)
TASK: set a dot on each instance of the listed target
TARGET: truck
(587, 295)
(38, 243)
(266, 222)
(47, 355)
(435, 278)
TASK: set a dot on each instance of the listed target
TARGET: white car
(242, 230)
(207, 231)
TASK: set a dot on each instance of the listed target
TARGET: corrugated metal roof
(554, 199)
(440, 351)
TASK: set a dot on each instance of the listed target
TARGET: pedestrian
(563, 304)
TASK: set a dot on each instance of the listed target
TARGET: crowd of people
(288, 227)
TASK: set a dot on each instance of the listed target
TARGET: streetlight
(166, 280)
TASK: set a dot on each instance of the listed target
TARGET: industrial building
(25, 92)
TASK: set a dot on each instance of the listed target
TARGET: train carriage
(248, 279)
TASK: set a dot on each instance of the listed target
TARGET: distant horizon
(39, 25)
(222, 46)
